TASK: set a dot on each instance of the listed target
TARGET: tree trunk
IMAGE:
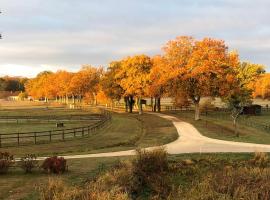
(140, 105)
(126, 103)
(158, 104)
(95, 99)
(235, 127)
(73, 99)
(155, 105)
(130, 104)
(197, 110)
(112, 104)
(152, 107)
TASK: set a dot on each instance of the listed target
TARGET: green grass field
(126, 131)
(219, 125)
(129, 131)
(18, 185)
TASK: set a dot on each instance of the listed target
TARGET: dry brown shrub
(56, 189)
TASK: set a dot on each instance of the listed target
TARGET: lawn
(18, 185)
(125, 131)
(219, 125)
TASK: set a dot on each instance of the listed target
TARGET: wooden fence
(38, 137)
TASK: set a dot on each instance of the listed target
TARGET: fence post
(35, 136)
(18, 138)
(63, 134)
(74, 132)
(88, 131)
(50, 136)
(82, 131)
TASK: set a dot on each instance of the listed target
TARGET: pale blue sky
(63, 34)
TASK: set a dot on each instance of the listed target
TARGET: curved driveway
(189, 141)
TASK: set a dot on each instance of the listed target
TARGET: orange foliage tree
(41, 86)
(262, 87)
(133, 77)
(110, 84)
(199, 67)
(85, 83)
(159, 76)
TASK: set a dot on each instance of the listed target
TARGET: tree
(3, 84)
(86, 82)
(41, 86)
(110, 85)
(134, 73)
(239, 93)
(262, 87)
(12, 83)
(62, 84)
(199, 67)
(159, 77)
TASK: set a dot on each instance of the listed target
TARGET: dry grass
(152, 176)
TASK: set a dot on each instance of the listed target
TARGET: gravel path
(189, 141)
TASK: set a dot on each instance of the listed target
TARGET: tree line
(187, 70)
(12, 84)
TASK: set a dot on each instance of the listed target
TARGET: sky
(40, 35)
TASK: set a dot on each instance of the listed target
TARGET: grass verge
(219, 126)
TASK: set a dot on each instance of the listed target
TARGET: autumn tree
(85, 82)
(159, 76)
(238, 91)
(62, 85)
(133, 77)
(110, 84)
(198, 66)
(262, 87)
(40, 87)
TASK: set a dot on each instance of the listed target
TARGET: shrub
(55, 165)
(56, 189)
(230, 183)
(113, 184)
(150, 173)
(6, 160)
(28, 163)
(260, 159)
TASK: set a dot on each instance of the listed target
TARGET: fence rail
(37, 137)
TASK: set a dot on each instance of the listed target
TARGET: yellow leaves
(133, 74)
(262, 87)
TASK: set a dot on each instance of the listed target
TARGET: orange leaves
(199, 66)
(133, 74)
(262, 87)
(86, 80)
(63, 83)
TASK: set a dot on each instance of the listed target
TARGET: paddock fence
(41, 137)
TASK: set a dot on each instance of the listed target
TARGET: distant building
(252, 110)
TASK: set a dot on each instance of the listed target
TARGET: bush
(55, 165)
(56, 189)
(260, 159)
(230, 184)
(28, 163)
(151, 173)
(6, 160)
